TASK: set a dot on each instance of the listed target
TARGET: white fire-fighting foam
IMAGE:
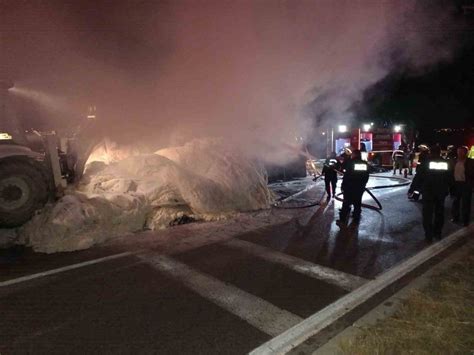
(124, 191)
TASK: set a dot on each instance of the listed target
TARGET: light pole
(333, 143)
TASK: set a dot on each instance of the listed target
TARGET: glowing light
(367, 127)
(5, 136)
(397, 128)
(91, 115)
(342, 128)
(435, 165)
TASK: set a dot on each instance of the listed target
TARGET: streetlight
(342, 128)
(397, 128)
(367, 127)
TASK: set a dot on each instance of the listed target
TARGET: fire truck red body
(379, 143)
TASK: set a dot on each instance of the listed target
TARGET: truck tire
(23, 190)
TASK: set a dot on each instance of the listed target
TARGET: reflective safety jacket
(398, 155)
(330, 168)
(435, 177)
(355, 176)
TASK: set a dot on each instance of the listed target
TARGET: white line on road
(334, 277)
(320, 320)
(62, 269)
(256, 311)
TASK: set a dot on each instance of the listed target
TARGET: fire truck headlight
(342, 128)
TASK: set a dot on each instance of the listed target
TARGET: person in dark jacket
(353, 186)
(463, 181)
(434, 176)
(345, 157)
(415, 190)
(410, 156)
(398, 158)
(330, 168)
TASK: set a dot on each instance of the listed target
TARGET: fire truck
(377, 144)
(36, 167)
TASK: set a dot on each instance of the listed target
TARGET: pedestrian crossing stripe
(360, 167)
(435, 165)
(340, 279)
(257, 312)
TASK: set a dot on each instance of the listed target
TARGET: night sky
(440, 97)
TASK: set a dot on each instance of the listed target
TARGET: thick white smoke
(258, 73)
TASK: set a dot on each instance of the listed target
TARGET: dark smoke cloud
(255, 72)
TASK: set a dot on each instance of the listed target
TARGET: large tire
(23, 190)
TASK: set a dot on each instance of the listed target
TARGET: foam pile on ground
(203, 180)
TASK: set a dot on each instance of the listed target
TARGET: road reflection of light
(365, 235)
(368, 229)
(334, 229)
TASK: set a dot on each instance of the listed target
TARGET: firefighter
(398, 158)
(353, 186)
(463, 181)
(411, 159)
(415, 188)
(345, 157)
(331, 166)
(434, 177)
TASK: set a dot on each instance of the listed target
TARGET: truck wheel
(23, 190)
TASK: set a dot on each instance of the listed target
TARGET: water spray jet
(45, 100)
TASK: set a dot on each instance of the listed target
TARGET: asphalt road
(222, 293)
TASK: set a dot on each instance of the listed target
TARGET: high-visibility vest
(438, 166)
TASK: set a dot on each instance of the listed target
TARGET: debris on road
(202, 180)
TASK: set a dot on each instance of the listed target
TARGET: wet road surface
(209, 293)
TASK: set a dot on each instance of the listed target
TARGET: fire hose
(403, 182)
(279, 203)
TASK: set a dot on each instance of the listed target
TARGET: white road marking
(325, 317)
(62, 269)
(256, 311)
(334, 277)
